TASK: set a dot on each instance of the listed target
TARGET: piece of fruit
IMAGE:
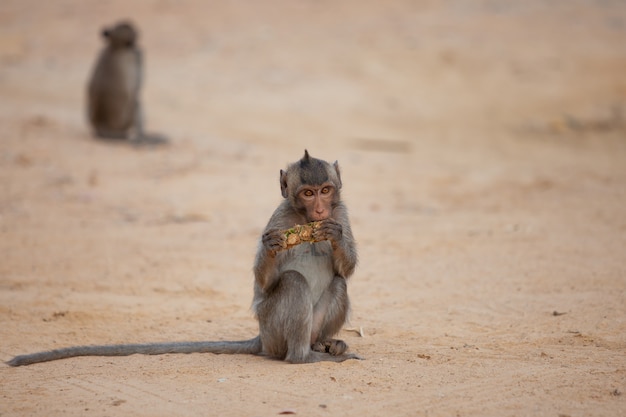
(300, 233)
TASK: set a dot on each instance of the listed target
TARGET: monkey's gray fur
(300, 294)
(113, 103)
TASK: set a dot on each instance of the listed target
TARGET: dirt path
(483, 148)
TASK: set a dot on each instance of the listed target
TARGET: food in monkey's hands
(301, 233)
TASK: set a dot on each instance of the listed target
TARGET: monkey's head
(122, 35)
(312, 187)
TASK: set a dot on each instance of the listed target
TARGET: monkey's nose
(320, 215)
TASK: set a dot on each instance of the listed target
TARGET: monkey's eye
(308, 193)
(325, 190)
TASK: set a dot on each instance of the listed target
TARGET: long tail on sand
(252, 346)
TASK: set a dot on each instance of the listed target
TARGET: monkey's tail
(252, 346)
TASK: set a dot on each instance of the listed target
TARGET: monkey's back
(113, 89)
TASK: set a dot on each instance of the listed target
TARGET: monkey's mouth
(318, 218)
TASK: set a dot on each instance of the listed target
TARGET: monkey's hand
(273, 240)
(330, 230)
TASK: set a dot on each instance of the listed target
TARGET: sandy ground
(483, 148)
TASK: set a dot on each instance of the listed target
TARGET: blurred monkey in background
(114, 108)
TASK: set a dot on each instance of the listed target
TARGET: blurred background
(293, 72)
(483, 154)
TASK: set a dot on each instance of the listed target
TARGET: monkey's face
(312, 187)
(317, 201)
(121, 35)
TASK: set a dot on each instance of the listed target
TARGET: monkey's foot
(334, 347)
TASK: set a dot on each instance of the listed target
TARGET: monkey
(113, 105)
(300, 297)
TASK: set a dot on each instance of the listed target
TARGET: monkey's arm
(345, 255)
(265, 267)
(270, 252)
(268, 256)
(339, 232)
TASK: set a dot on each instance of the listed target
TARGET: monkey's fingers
(329, 230)
(273, 240)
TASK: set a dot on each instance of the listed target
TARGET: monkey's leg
(329, 315)
(285, 322)
(285, 318)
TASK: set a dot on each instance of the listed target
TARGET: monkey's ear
(336, 166)
(283, 183)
